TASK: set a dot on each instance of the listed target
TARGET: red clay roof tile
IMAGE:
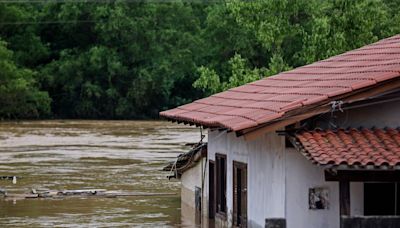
(363, 147)
(270, 98)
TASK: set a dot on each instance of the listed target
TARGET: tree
(129, 60)
(19, 96)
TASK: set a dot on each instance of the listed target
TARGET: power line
(64, 1)
(50, 22)
(106, 1)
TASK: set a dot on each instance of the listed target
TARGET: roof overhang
(304, 112)
(320, 108)
(351, 149)
(288, 97)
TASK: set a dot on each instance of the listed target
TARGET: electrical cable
(50, 22)
(104, 1)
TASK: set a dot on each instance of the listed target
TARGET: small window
(381, 199)
(220, 161)
(211, 190)
(239, 194)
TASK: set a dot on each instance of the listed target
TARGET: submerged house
(190, 169)
(317, 146)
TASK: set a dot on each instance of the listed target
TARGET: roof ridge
(275, 86)
(339, 73)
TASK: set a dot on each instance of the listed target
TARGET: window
(211, 190)
(220, 161)
(381, 198)
(239, 194)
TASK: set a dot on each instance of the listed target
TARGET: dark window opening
(211, 190)
(197, 203)
(381, 199)
(220, 161)
(288, 143)
(239, 194)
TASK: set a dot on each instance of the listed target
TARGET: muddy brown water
(112, 155)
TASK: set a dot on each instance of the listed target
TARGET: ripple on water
(115, 155)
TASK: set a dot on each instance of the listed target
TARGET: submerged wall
(266, 173)
(279, 178)
(190, 180)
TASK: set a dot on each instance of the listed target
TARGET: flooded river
(112, 155)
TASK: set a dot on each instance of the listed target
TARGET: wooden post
(344, 197)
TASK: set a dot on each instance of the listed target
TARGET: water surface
(112, 155)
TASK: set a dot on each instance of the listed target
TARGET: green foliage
(277, 65)
(19, 97)
(291, 33)
(125, 60)
(208, 81)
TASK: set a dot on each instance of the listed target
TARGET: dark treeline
(131, 59)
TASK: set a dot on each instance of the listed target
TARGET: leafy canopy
(128, 60)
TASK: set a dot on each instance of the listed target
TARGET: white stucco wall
(379, 115)
(301, 175)
(279, 178)
(192, 177)
(356, 198)
(266, 173)
(278, 182)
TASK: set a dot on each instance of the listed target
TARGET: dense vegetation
(131, 59)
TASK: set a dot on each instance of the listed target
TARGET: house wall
(266, 173)
(274, 170)
(380, 115)
(356, 198)
(190, 179)
(301, 175)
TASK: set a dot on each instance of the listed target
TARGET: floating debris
(13, 178)
(36, 193)
(9, 177)
(3, 192)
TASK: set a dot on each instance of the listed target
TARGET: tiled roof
(352, 147)
(270, 98)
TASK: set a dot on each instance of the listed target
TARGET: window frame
(240, 198)
(220, 185)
